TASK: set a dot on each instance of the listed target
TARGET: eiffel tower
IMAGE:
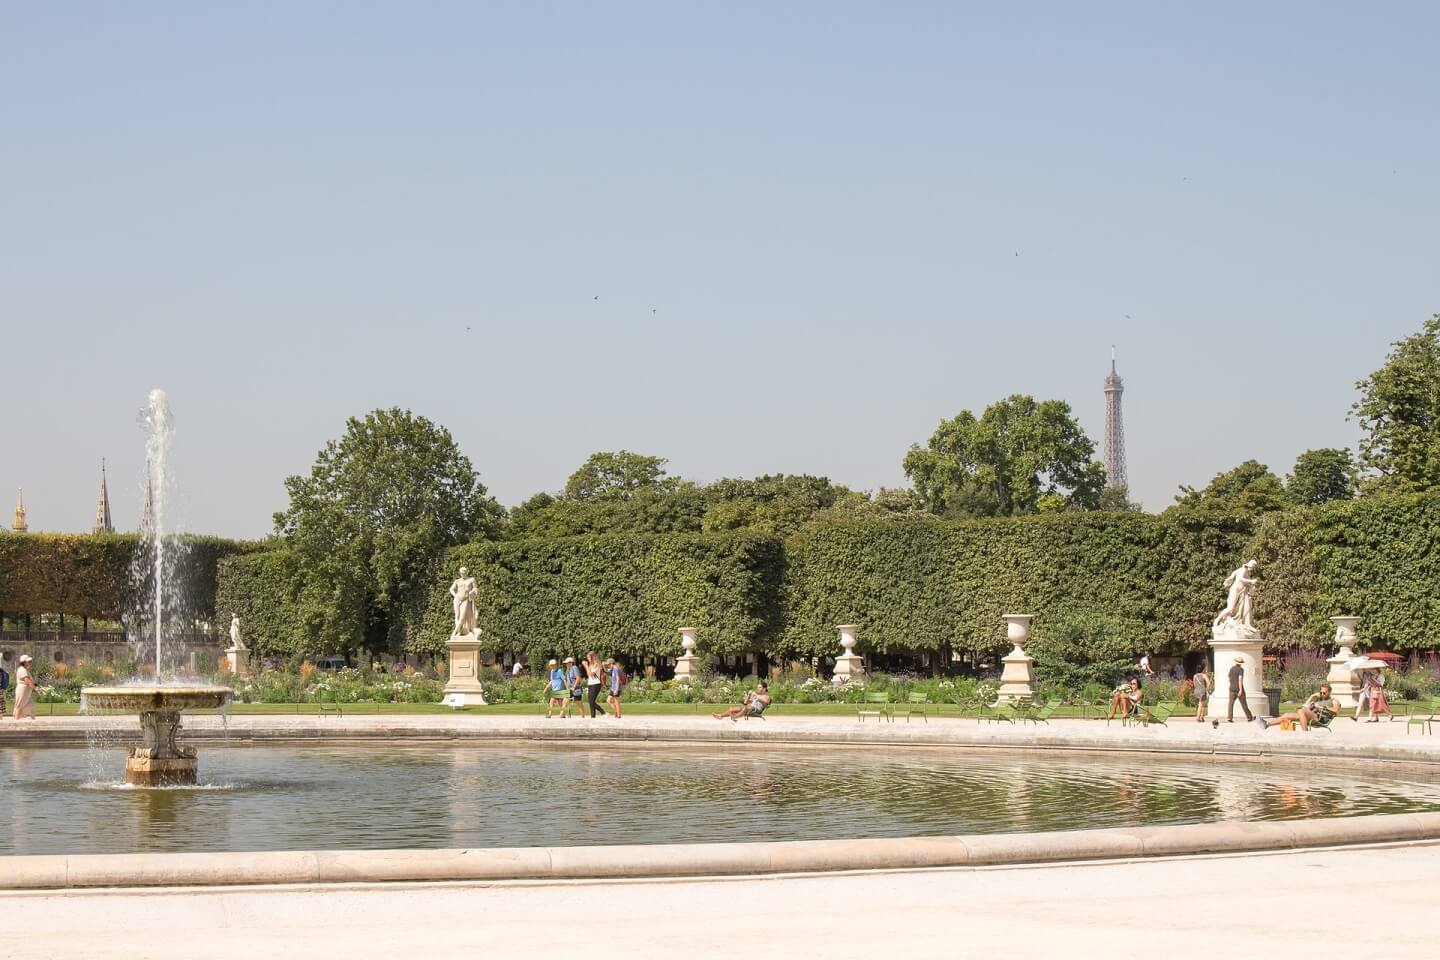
(1114, 429)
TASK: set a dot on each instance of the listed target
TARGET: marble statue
(1238, 614)
(235, 643)
(464, 595)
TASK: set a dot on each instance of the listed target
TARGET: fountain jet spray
(159, 427)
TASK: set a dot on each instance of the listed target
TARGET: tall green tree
(368, 523)
(1399, 409)
(1248, 488)
(618, 475)
(1006, 460)
(1320, 476)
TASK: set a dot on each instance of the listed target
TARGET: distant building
(1114, 429)
(102, 506)
(19, 525)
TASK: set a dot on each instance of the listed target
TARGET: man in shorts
(617, 687)
(1320, 708)
(558, 692)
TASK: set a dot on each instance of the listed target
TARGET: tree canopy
(1249, 488)
(369, 522)
(1006, 461)
(1399, 409)
(618, 476)
(1320, 476)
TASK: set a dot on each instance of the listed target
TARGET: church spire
(19, 525)
(102, 506)
(147, 512)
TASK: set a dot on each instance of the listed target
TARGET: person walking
(557, 693)
(4, 687)
(617, 687)
(25, 691)
(594, 679)
(572, 684)
(1201, 682)
(1237, 691)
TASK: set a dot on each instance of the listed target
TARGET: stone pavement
(1371, 902)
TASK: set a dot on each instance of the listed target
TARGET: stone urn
(1017, 679)
(687, 664)
(1341, 679)
(849, 665)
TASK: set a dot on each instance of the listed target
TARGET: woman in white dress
(25, 691)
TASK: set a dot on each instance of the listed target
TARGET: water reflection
(446, 796)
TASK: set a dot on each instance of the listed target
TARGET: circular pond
(59, 800)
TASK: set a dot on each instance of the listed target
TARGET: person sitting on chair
(753, 705)
(1126, 699)
(1320, 708)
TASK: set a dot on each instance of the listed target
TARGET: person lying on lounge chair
(753, 705)
(1320, 708)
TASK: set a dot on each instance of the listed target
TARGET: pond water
(357, 797)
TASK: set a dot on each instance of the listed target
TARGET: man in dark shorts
(1319, 708)
(1237, 691)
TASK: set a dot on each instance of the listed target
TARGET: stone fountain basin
(166, 699)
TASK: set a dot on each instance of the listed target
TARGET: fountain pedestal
(159, 761)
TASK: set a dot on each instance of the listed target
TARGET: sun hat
(25, 658)
(1239, 659)
(569, 659)
(553, 663)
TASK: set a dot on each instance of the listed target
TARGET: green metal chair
(1000, 712)
(1422, 719)
(1043, 714)
(1146, 714)
(914, 706)
(876, 705)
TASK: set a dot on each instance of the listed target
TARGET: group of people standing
(25, 690)
(571, 682)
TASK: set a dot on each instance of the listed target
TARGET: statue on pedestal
(464, 595)
(1237, 618)
(235, 643)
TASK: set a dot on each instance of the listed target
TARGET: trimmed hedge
(1111, 584)
(89, 575)
(918, 583)
(1377, 558)
(619, 594)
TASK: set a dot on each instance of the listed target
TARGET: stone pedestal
(463, 688)
(687, 664)
(159, 761)
(1225, 646)
(1341, 679)
(1017, 679)
(849, 665)
(237, 660)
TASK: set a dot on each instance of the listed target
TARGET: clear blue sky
(814, 231)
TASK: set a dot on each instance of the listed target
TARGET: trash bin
(1273, 695)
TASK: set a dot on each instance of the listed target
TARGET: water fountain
(159, 760)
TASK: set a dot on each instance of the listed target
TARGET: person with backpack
(617, 687)
(4, 686)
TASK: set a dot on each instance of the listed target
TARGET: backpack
(4, 680)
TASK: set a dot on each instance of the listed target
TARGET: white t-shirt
(515, 670)
(1145, 663)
